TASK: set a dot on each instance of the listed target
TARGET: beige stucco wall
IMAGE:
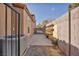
(3, 25)
(33, 26)
(2, 20)
(30, 26)
(8, 21)
(32, 30)
(27, 23)
(75, 31)
(21, 18)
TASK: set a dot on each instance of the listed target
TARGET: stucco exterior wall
(25, 23)
(9, 21)
(21, 19)
(12, 24)
(33, 24)
(32, 27)
(2, 20)
(6, 14)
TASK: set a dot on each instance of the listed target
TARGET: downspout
(69, 11)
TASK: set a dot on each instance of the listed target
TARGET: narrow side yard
(44, 51)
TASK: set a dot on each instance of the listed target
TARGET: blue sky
(44, 11)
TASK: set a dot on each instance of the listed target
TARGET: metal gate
(10, 42)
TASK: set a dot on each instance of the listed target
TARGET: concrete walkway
(44, 51)
(41, 46)
(40, 39)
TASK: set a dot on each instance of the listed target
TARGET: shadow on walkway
(35, 50)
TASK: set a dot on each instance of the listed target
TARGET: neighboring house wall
(49, 30)
(55, 32)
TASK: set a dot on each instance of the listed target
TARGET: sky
(47, 11)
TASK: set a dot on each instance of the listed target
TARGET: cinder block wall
(75, 31)
(63, 32)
